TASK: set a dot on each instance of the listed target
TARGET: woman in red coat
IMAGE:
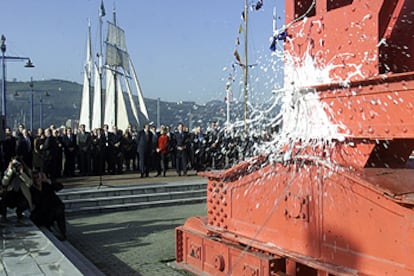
(162, 149)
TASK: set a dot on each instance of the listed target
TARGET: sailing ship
(119, 75)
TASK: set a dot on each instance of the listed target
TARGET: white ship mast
(116, 72)
(85, 110)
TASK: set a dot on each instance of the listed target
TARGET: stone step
(136, 205)
(107, 198)
(135, 198)
(108, 191)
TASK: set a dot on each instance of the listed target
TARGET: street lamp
(5, 58)
(31, 104)
(41, 109)
(32, 91)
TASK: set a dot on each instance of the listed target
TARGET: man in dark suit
(155, 155)
(22, 147)
(8, 147)
(50, 155)
(70, 150)
(118, 154)
(83, 142)
(181, 144)
(144, 149)
(108, 149)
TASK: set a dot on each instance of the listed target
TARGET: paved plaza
(138, 242)
(133, 242)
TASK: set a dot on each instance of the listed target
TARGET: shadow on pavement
(135, 242)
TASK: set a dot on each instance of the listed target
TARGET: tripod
(100, 181)
(100, 170)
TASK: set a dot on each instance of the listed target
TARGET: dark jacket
(144, 141)
(50, 149)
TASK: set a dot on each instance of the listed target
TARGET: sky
(181, 50)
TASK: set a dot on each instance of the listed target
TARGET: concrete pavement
(137, 242)
(127, 178)
(25, 250)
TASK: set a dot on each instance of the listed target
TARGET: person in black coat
(48, 207)
(50, 155)
(28, 155)
(70, 150)
(83, 143)
(118, 154)
(8, 148)
(22, 149)
(58, 134)
(144, 148)
(181, 143)
(155, 156)
(198, 149)
(97, 146)
(108, 149)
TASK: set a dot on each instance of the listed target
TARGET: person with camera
(48, 207)
(16, 184)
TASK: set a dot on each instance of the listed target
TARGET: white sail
(122, 114)
(141, 102)
(97, 100)
(85, 117)
(131, 100)
(109, 99)
(85, 103)
(116, 52)
(117, 67)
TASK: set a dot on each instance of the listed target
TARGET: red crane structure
(306, 216)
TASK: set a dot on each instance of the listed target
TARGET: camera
(16, 165)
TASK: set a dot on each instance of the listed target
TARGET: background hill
(60, 102)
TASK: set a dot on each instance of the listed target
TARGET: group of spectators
(31, 163)
(65, 152)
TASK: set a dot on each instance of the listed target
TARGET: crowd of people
(66, 152)
(31, 163)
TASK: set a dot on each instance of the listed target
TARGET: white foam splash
(296, 108)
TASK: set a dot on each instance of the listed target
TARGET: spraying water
(294, 114)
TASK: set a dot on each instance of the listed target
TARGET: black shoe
(142, 175)
(19, 216)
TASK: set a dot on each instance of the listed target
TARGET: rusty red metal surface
(353, 215)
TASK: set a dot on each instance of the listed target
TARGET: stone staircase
(107, 198)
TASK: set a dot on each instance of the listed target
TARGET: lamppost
(32, 91)
(41, 111)
(31, 104)
(5, 58)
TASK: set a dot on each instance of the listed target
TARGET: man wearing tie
(108, 149)
(181, 142)
(28, 153)
(144, 149)
(70, 150)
